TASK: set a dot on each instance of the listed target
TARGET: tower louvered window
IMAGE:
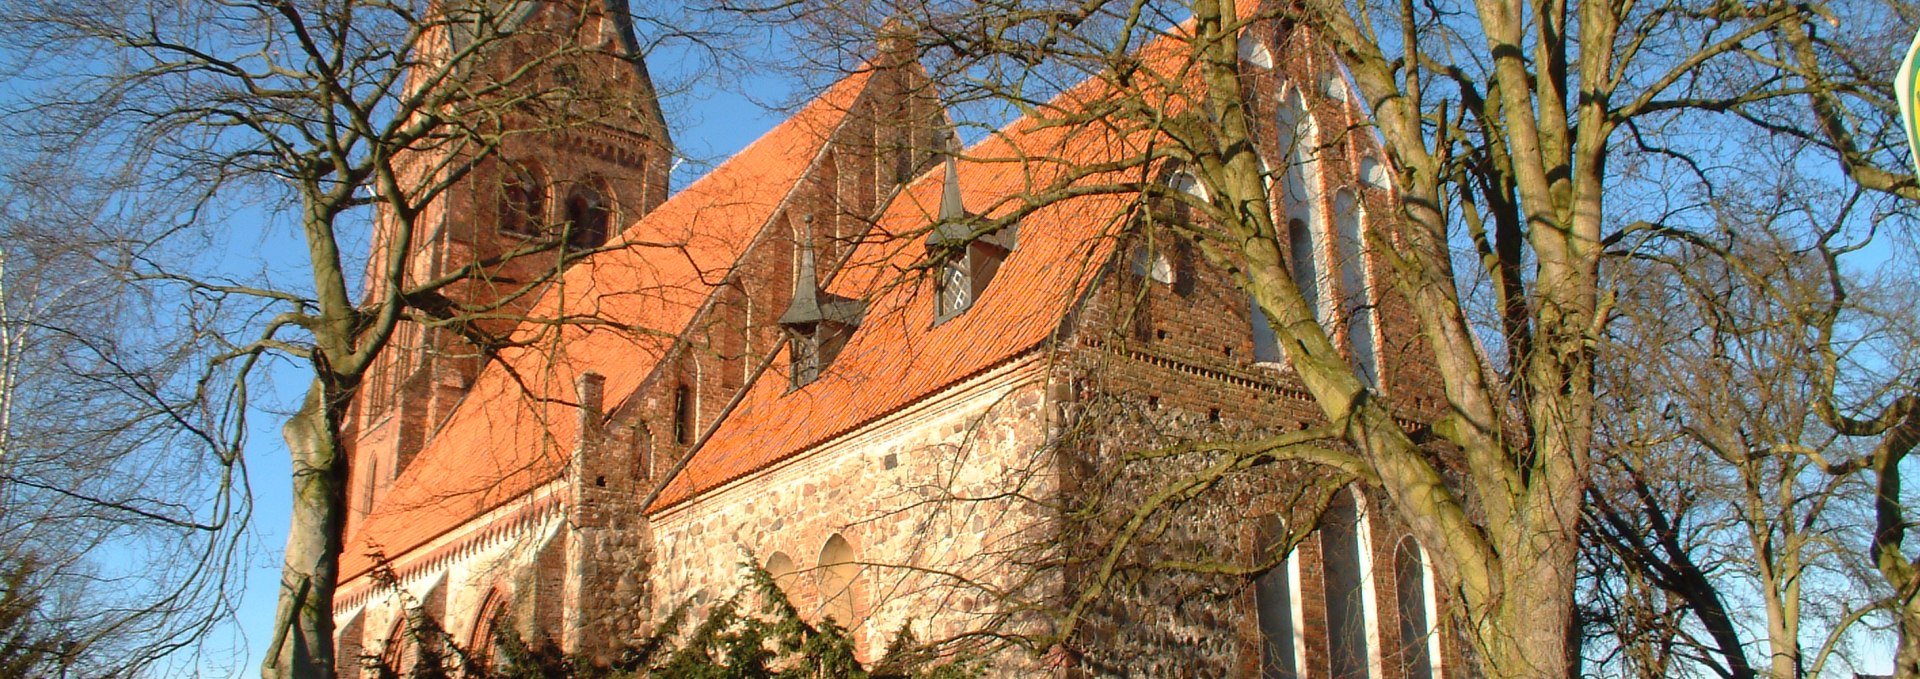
(522, 205)
(588, 215)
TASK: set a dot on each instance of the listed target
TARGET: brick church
(861, 356)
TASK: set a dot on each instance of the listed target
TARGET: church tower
(563, 144)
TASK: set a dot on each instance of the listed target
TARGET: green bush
(728, 643)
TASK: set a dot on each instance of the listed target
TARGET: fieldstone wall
(937, 502)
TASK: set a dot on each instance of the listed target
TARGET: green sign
(1903, 90)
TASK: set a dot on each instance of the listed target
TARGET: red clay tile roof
(898, 356)
(517, 426)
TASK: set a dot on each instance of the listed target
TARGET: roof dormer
(818, 323)
(964, 256)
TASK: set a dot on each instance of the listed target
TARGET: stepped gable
(899, 357)
(516, 428)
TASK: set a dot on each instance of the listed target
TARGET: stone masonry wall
(907, 493)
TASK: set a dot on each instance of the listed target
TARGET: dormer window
(965, 259)
(818, 323)
(956, 289)
(966, 270)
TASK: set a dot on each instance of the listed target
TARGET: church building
(864, 356)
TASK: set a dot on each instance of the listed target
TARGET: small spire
(805, 307)
(811, 305)
(953, 228)
(951, 207)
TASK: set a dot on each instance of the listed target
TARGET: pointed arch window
(588, 214)
(1303, 245)
(1356, 294)
(683, 419)
(1415, 604)
(1150, 261)
(393, 651)
(488, 626)
(1266, 345)
(1299, 197)
(522, 205)
(1185, 182)
(1375, 174)
(1254, 51)
(349, 659)
(1274, 595)
(1349, 609)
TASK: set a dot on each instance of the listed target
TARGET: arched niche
(841, 598)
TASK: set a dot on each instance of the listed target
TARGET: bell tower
(560, 145)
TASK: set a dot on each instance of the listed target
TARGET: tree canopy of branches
(1725, 491)
(1515, 131)
(197, 126)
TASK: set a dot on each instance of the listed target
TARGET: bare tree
(193, 120)
(130, 543)
(1738, 345)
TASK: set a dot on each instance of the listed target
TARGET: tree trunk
(1527, 633)
(302, 646)
(1906, 654)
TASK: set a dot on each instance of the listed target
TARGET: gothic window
(1416, 618)
(729, 333)
(1179, 209)
(1375, 174)
(1334, 86)
(522, 205)
(1266, 345)
(1274, 596)
(487, 628)
(1344, 553)
(1303, 244)
(683, 415)
(348, 660)
(396, 654)
(587, 216)
(1298, 153)
(1151, 263)
(368, 483)
(838, 574)
(1299, 195)
(1254, 51)
(1185, 182)
(1356, 299)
